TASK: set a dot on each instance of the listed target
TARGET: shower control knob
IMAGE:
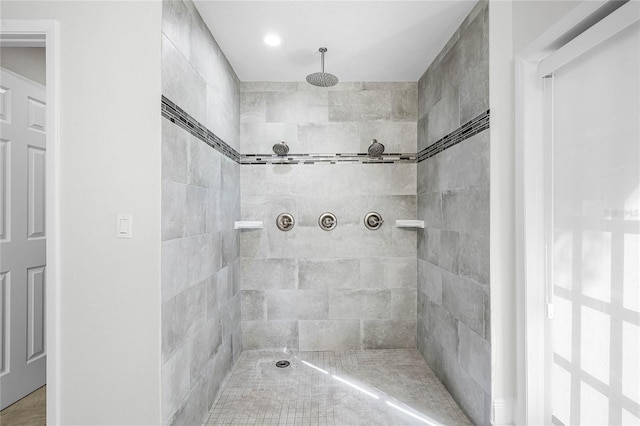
(373, 221)
(285, 222)
(327, 221)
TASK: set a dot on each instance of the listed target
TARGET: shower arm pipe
(322, 50)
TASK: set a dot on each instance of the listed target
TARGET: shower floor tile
(372, 387)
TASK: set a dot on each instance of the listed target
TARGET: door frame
(531, 65)
(48, 31)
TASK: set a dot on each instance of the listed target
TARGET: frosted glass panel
(596, 226)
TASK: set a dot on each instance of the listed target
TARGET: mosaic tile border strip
(468, 129)
(179, 117)
(327, 158)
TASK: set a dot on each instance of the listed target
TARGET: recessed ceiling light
(273, 40)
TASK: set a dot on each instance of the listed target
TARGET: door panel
(5, 104)
(35, 313)
(595, 231)
(36, 202)
(23, 243)
(5, 282)
(5, 160)
(36, 115)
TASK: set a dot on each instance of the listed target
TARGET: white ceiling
(366, 40)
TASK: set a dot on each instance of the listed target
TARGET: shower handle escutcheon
(285, 222)
(327, 221)
(373, 221)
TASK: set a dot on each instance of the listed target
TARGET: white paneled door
(22, 237)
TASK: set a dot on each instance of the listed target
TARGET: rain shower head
(322, 79)
(375, 149)
(281, 148)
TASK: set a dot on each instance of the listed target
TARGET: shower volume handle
(373, 221)
(327, 221)
(285, 222)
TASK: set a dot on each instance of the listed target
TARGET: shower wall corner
(201, 332)
(453, 248)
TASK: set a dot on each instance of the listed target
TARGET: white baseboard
(502, 412)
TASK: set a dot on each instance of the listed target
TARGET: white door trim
(530, 65)
(600, 32)
(49, 29)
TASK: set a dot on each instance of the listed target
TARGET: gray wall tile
(297, 107)
(396, 136)
(253, 108)
(430, 210)
(475, 356)
(359, 304)
(474, 257)
(388, 272)
(262, 274)
(192, 407)
(429, 175)
(422, 131)
(385, 85)
(404, 105)
(453, 200)
(194, 211)
(181, 316)
(388, 334)
(201, 198)
(329, 137)
(270, 334)
(259, 138)
(176, 381)
(328, 273)
(181, 83)
(176, 25)
(297, 304)
(430, 281)
(342, 119)
(403, 303)
(254, 305)
(230, 179)
(444, 117)
(174, 152)
(429, 90)
(457, 205)
(371, 105)
(442, 329)
(433, 240)
(487, 317)
(204, 165)
(464, 300)
(231, 317)
(469, 165)
(450, 250)
(474, 92)
(174, 198)
(339, 335)
(267, 86)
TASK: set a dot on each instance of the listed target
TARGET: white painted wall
(513, 25)
(109, 138)
(27, 61)
(532, 18)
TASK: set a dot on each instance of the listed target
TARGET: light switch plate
(124, 225)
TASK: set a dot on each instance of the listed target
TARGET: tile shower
(227, 291)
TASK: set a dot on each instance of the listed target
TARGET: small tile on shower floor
(370, 387)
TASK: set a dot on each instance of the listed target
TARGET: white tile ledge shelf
(247, 224)
(409, 223)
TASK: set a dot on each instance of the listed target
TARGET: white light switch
(124, 226)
